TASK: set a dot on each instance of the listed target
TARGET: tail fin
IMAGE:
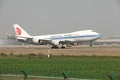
(20, 32)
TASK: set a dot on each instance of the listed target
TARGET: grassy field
(90, 67)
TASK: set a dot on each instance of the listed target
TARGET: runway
(72, 51)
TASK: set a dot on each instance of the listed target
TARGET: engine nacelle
(36, 41)
(55, 42)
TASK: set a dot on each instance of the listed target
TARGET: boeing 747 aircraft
(56, 40)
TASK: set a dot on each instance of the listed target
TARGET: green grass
(80, 67)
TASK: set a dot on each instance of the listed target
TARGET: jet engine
(55, 42)
(36, 41)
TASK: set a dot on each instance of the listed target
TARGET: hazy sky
(57, 16)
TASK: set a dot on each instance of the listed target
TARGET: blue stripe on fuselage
(68, 37)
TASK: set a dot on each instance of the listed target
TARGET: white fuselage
(86, 35)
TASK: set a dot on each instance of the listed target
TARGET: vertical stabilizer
(20, 32)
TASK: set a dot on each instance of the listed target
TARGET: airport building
(107, 42)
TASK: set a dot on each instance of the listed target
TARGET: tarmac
(83, 50)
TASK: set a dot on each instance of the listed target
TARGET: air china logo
(19, 31)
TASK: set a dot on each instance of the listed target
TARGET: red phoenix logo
(19, 31)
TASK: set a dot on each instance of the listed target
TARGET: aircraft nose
(98, 34)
